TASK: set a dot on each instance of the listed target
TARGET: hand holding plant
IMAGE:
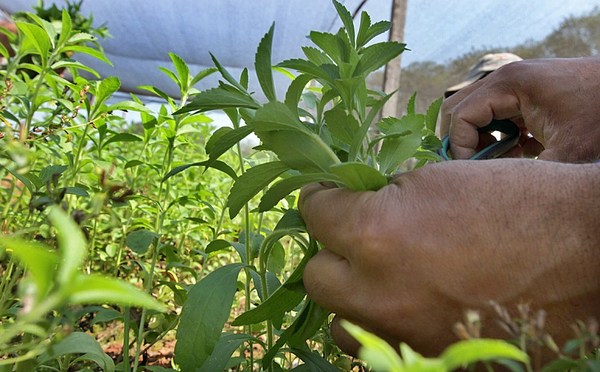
(408, 260)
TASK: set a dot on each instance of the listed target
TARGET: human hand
(556, 100)
(406, 261)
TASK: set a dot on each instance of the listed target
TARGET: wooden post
(391, 74)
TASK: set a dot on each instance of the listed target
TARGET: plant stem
(78, 153)
(126, 321)
(92, 246)
(160, 215)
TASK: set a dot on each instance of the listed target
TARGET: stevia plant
(320, 131)
(59, 150)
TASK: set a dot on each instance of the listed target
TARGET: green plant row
(129, 236)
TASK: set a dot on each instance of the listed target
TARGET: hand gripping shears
(508, 141)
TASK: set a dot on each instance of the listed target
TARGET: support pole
(391, 74)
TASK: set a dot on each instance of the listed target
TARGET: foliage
(384, 357)
(80, 22)
(62, 148)
(164, 228)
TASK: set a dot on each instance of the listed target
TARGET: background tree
(574, 37)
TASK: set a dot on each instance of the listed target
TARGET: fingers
(343, 339)
(474, 107)
(333, 216)
(329, 281)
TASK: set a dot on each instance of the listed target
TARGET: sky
(440, 30)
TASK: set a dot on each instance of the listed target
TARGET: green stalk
(79, 151)
(263, 280)
(33, 98)
(160, 214)
(249, 258)
(126, 324)
(92, 245)
(13, 272)
(7, 204)
(121, 247)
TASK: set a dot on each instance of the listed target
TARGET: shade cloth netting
(144, 31)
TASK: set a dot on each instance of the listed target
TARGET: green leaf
(275, 261)
(314, 361)
(308, 154)
(366, 124)
(183, 71)
(276, 116)
(74, 190)
(27, 180)
(81, 37)
(47, 26)
(262, 65)
(215, 164)
(71, 243)
(105, 315)
(4, 52)
(133, 163)
(224, 138)
(403, 138)
(284, 299)
(123, 137)
(221, 244)
(342, 126)
(294, 92)
(378, 353)
(244, 78)
(359, 176)
(39, 261)
(331, 45)
(278, 127)
(204, 315)
(50, 171)
(375, 30)
(66, 27)
(89, 51)
(38, 37)
(96, 289)
(226, 75)
(218, 99)
(411, 105)
(291, 219)
(78, 343)
(74, 64)
(128, 106)
(307, 67)
(363, 29)
(253, 181)
(217, 245)
(284, 187)
(202, 74)
(463, 353)
(140, 240)
(346, 18)
(280, 302)
(377, 55)
(104, 90)
(432, 114)
(309, 321)
(228, 343)
(316, 56)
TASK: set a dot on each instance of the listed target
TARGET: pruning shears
(508, 141)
